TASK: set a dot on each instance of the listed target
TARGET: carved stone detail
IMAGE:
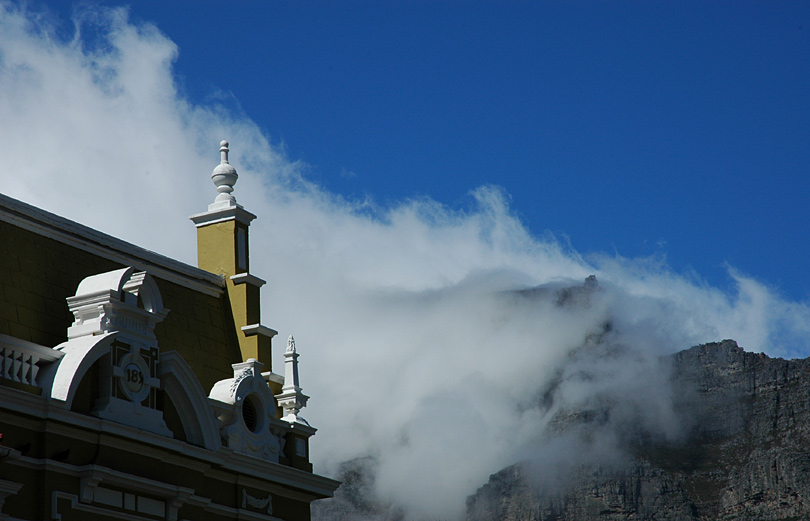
(266, 503)
(246, 411)
(129, 304)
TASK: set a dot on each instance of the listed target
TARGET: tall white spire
(291, 399)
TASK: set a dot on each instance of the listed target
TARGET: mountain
(742, 454)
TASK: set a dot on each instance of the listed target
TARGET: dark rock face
(746, 455)
(643, 493)
(355, 499)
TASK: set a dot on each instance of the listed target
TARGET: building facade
(136, 387)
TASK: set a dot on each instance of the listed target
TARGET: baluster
(25, 372)
(17, 361)
(34, 369)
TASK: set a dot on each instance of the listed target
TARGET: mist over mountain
(737, 452)
(743, 456)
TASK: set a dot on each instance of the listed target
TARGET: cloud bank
(431, 338)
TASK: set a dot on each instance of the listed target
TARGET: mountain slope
(744, 454)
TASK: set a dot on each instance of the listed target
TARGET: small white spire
(224, 177)
(290, 367)
(291, 399)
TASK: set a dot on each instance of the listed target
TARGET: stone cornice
(258, 329)
(247, 278)
(221, 215)
(173, 452)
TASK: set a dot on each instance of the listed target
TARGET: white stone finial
(291, 399)
(224, 177)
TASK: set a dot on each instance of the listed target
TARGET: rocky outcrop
(744, 455)
(355, 499)
(642, 493)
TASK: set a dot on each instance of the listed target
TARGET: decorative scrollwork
(246, 373)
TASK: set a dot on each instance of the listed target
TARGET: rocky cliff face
(743, 454)
(355, 500)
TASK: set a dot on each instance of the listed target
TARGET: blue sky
(638, 128)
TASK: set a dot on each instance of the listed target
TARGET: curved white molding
(104, 282)
(60, 379)
(127, 304)
(180, 383)
(144, 286)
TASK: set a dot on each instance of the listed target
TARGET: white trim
(47, 354)
(262, 439)
(108, 247)
(258, 329)
(60, 380)
(247, 278)
(181, 385)
(221, 215)
(21, 361)
(270, 376)
(302, 429)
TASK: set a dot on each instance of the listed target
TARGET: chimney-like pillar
(223, 248)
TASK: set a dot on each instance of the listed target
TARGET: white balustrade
(20, 360)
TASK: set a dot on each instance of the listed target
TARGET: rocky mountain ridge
(744, 455)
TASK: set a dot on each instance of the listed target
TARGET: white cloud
(415, 346)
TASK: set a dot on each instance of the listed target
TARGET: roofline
(93, 241)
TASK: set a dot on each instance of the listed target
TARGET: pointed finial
(223, 151)
(224, 177)
(291, 399)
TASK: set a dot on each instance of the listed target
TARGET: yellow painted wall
(217, 248)
(37, 274)
(218, 253)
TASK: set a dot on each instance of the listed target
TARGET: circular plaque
(133, 377)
